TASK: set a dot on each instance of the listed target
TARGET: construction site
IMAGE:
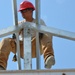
(27, 61)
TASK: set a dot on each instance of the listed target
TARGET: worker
(8, 45)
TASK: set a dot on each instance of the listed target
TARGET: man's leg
(48, 52)
(5, 48)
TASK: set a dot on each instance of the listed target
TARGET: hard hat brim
(24, 9)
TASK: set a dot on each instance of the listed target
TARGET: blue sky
(56, 13)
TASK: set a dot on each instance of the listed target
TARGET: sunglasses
(25, 10)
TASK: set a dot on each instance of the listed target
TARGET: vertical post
(37, 2)
(27, 49)
(15, 17)
(15, 21)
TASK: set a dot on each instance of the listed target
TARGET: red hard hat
(25, 5)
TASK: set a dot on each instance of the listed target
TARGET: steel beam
(43, 29)
(39, 72)
(15, 22)
(27, 49)
(37, 4)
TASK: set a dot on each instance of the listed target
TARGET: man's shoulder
(41, 22)
(22, 21)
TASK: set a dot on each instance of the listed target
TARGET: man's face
(26, 13)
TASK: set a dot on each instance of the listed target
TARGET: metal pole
(15, 21)
(27, 49)
(37, 2)
(15, 17)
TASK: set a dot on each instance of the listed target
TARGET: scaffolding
(27, 42)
